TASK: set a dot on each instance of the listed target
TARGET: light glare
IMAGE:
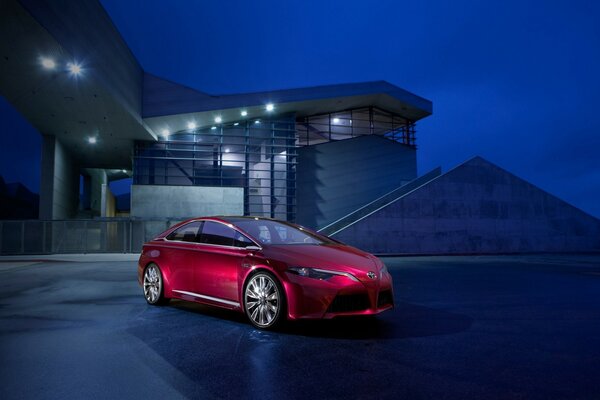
(270, 107)
(74, 68)
(47, 63)
(218, 120)
(191, 125)
(336, 120)
(244, 113)
(92, 140)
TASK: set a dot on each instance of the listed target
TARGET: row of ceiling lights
(218, 119)
(243, 113)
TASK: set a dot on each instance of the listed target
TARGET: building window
(257, 156)
(322, 128)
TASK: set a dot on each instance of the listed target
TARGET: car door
(218, 265)
(181, 248)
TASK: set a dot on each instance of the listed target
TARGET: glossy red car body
(216, 274)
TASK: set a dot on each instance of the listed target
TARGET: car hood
(331, 256)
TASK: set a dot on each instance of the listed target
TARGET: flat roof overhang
(95, 104)
(170, 106)
(117, 103)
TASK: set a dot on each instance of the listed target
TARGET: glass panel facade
(322, 128)
(258, 155)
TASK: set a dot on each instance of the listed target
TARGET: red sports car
(269, 269)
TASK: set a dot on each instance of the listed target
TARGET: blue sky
(515, 81)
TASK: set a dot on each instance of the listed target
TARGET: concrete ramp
(377, 204)
(475, 208)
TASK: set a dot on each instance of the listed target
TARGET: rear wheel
(264, 301)
(153, 285)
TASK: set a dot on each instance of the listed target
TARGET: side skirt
(185, 295)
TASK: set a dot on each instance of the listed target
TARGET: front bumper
(339, 296)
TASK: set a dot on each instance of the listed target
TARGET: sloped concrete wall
(476, 208)
(336, 178)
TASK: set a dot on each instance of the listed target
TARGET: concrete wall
(86, 31)
(181, 202)
(476, 208)
(59, 183)
(336, 178)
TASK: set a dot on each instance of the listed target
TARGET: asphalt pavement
(508, 327)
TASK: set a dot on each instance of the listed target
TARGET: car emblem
(371, 275)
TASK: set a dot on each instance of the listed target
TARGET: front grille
(349, 303)
(385, 298)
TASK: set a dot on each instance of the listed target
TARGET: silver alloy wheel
(152, 284)
(262, 300)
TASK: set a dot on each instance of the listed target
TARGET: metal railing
(113, 235)
(378, 203)
(124, 235)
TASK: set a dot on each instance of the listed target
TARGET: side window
(240, 240)
(264, 234)
(186, 233)
(282, 232)
(217, 233)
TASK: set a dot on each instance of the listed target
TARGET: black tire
(153, 286)
(259, 300)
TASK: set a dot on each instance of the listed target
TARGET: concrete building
(338, 158)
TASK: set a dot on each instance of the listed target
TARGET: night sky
(516, 82)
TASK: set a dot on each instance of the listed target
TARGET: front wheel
(264, 301)
(153, 285)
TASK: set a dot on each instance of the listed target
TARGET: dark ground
(464, 328)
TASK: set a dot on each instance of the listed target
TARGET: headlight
(317, 273)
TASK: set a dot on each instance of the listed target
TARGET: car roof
(237, 218)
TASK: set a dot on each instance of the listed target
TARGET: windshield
(273, 232)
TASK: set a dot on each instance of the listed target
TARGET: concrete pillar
(107, 202)
(59, 183)
(93, 183)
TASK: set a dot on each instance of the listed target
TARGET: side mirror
(252, 248)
